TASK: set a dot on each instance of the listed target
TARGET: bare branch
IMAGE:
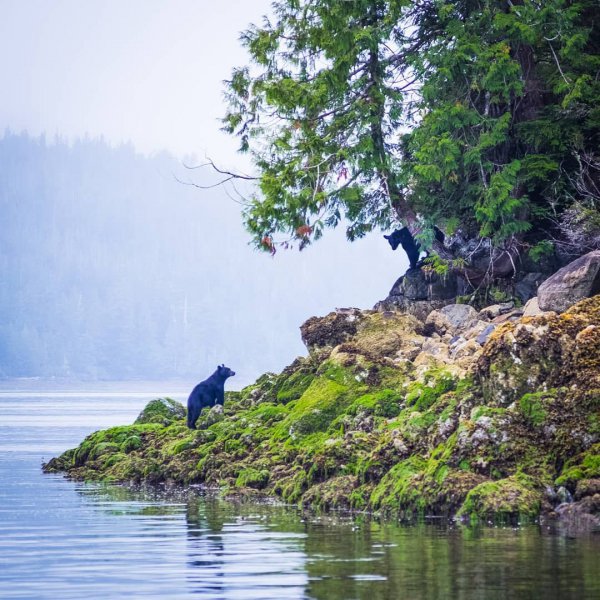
(231, 174)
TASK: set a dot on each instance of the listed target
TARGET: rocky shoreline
(489, 415)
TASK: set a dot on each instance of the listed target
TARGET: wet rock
(409, 353)
(331, 494)
(388, 335)
(578, 517)
(578, 280)
(435, 348)
(513, 315)
(532, 308)
(456, 340)
(461, 426)
(514, 498)
(550, 494)
(210, 417)
(418, 308)
(563, 495)
(466, 348)
(550, 351)
(587, 487)
(420, 284)
(453, 319)
(475, 330)
(419, 291)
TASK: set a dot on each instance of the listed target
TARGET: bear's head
(225, 372)
(398, 237)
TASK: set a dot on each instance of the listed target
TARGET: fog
(112, 269)
(145, 71)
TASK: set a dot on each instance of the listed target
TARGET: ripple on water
(65, 540)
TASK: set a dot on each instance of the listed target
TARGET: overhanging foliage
(483, 114)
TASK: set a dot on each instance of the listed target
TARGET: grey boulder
(578, 280)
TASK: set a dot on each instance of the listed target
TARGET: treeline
(112, 269)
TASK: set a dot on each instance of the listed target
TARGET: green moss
(515, 497)
(182, 445)
(359, 497)
(356, 428)
(435, 384)
(254, 478)
(268, 413)
(330, 494)
(292, 485)
(385, 403)
(584, 466)
(532, 407)
(320, 404)
(133, 442)
(397, 490)
(161, 410)
(294, 386)
(486, 411)
(114, 459)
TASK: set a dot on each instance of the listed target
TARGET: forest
(112, 269)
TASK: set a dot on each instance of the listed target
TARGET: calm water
(60, 540)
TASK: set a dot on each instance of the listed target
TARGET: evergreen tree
(481, 116)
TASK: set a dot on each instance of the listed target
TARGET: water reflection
(205, 547)
(231, 550)
(237, 550)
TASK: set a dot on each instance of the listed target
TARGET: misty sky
(149, 71)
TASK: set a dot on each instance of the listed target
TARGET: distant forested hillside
(112, 269)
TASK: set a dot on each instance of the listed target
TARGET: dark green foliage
(479, 113)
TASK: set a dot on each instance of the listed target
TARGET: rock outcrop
(484, 415)
(419, 291)
(578, 280)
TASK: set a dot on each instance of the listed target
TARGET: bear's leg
(193, 414)
(220, 397)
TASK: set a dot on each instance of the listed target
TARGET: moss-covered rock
(583, 466)
(537, 353)
(513, 498)
(161, 410)
(331, 330)
(385, 416)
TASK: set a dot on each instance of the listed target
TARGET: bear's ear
(387, 237)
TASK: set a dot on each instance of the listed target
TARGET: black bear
(412, 248)
(209, 392)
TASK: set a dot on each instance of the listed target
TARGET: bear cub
(209, 392)
(403, 237)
